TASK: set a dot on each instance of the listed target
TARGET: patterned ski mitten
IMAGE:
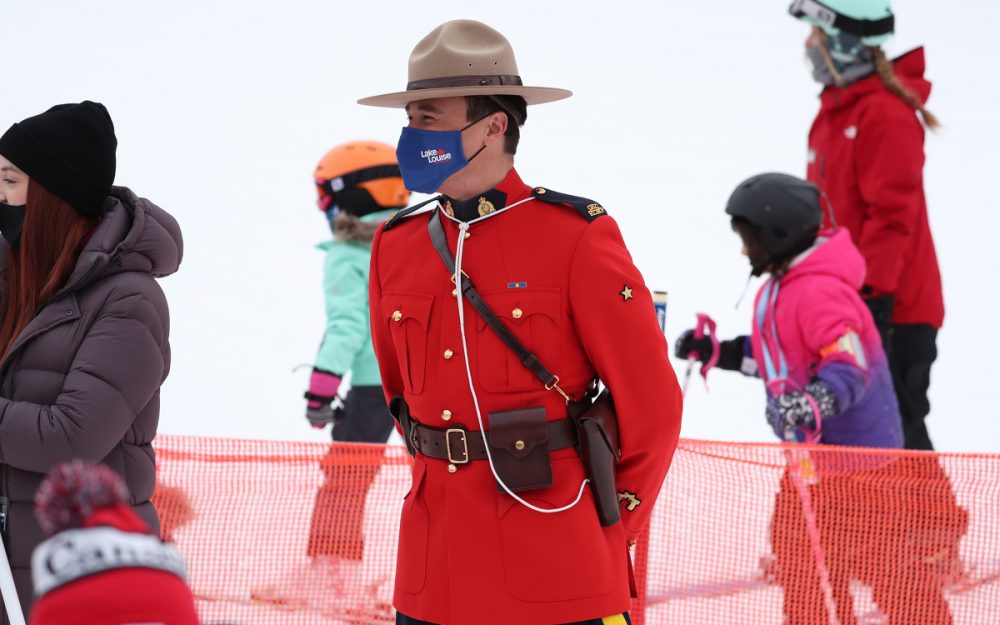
(793, 409)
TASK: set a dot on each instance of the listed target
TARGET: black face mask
(11, 223)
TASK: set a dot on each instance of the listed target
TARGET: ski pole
(7, 589)
(800, 467)
(687, 375)
(705, 326)
(803, 473)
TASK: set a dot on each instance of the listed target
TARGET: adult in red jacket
(556, 271)
(866, 154)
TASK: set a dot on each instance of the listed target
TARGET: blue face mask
(428, 157)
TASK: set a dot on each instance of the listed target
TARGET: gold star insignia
(626, 293)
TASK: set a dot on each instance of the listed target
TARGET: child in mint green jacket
(347, 342)
(359, 187)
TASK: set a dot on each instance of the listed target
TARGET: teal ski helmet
(872, 20)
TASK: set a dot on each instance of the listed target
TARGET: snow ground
(223, 108)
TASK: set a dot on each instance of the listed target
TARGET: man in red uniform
(555, 270)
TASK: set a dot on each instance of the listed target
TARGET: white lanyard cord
(463, 227)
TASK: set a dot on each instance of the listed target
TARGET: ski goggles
(823, 15)
(343, 189)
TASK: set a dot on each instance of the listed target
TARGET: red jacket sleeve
(616, 322)
(385, 353)
(890, 161)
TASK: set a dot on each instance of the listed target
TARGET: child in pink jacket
(814, 342)
(815, 345)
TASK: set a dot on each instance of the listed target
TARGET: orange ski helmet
(360, 178)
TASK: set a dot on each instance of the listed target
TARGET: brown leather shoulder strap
(528, 359)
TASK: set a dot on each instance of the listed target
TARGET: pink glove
(322, 391)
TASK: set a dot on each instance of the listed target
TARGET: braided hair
(883, 67)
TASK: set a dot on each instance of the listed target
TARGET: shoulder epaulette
(406, 212)
(589, 209)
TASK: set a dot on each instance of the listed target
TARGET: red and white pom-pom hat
(102, 566)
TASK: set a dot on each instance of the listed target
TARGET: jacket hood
(909, 68)
(134, 235)
(833, 255)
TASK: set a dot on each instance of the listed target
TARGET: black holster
(597, 426)
(400, 411)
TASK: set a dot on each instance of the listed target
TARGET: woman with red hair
(83, 324)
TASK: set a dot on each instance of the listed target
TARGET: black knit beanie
(70, 150)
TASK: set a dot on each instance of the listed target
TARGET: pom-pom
(72, 491)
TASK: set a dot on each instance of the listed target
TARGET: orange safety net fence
(287, 533)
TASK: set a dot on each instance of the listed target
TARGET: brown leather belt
(459, 446)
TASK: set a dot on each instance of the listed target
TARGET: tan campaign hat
(459, 58)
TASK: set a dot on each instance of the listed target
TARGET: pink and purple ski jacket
(811, 323)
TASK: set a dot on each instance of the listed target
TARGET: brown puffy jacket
(83, 378)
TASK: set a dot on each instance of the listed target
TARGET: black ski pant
(912, 350)
(338, 513)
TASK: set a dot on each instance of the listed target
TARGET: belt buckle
(465, 444)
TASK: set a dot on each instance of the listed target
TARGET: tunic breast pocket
(533, 315)
(408, 316)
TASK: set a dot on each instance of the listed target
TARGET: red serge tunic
(866, 152)
(562, 279)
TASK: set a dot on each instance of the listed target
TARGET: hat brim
(531, 95)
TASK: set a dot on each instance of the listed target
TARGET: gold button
(448, 354)
(452, 468)
(540, 191)
(467, 234)
(454, 292)
(446, 415)
(519, 445)
(396, 316)
(517, 313)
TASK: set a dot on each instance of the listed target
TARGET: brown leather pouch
(519, 444)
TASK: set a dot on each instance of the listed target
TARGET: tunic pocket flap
(515, 306)
(398, 307)
(518, 432)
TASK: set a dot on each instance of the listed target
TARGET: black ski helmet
(785, 209)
